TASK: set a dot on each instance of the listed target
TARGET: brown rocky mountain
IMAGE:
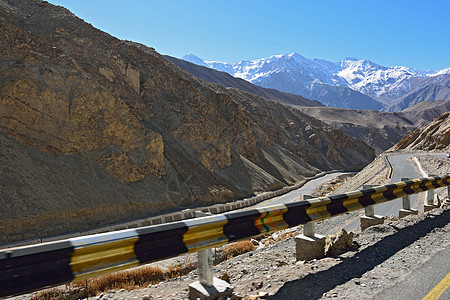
(433, 137)
(378, 129)
(381, 130)
(95, 130)
(426, 111)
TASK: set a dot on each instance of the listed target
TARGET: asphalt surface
(403, 168)
(308, 189)
(421, 280)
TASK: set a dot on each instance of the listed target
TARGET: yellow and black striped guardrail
(34, 267)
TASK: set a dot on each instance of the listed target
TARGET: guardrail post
(429, 205)
(309, 229)
(208, 287)
(205, 259)
(369, 219)
(406, 204)
(309, 245)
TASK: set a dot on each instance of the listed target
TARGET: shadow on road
(313, 286)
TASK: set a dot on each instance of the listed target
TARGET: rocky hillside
(96, 130)
(426, 111)
(378, 129)
(434, 136)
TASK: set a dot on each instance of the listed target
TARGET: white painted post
(405, 200)
(369, 211)
(205, 259)
(309, 230)
(430, 194)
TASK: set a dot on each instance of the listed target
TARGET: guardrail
(35, 267)
(171, 217)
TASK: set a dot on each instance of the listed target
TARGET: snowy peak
(195, 60)
(296, 74)
(445, 71)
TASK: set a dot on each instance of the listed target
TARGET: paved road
(403, 167)
(308, 189)
(422, 280)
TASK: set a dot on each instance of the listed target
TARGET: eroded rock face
(97, 130)
(433, 137)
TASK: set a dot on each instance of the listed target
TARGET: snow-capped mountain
(372, 86)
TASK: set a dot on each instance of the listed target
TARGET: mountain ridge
(374, 86)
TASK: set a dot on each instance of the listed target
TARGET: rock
(225, 277)
(339, 243)
(257, 285)
(236, 296)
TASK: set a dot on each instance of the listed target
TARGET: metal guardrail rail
(34, 267)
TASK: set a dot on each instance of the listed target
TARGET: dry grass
(138, 277)
(238, 248)
(49, 294)
(130, 279)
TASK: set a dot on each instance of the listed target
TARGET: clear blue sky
(396, 32)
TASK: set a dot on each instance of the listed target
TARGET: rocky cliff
(433, 137)
(96, 130)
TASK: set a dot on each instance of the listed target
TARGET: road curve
(308, 188)
(403, 168)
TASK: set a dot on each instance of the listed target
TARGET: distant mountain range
(351, 83)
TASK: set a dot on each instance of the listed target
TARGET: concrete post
(309, 245)
(369, 219)
(429, 205)
(369, 211)
(430, 197)
(205, 259)
(406, 204)
(208, 287)
(309, 229)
